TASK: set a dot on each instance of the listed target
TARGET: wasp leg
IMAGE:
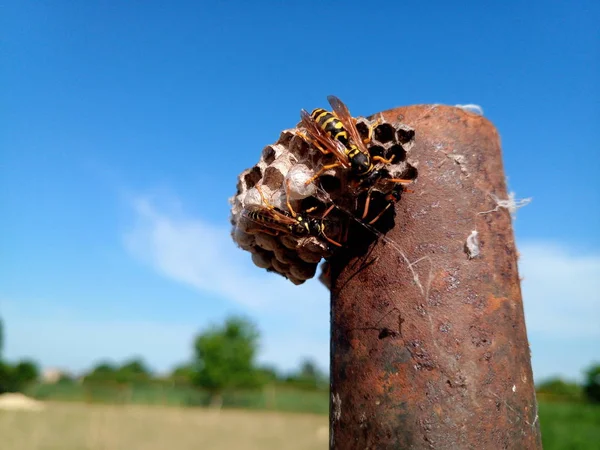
(323, 150)
(383, 160)
(287, 198)
(380, 214)
(399, 180)
(313, 142)
(346, 232)
(323, 169)
(394, 180)
(302, 134)
(264, 199)
(328, 211)
(323, 233)
(367, 203)
(331, 240)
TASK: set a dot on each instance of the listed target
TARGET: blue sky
(124, 128)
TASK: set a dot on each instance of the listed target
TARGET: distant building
(53, 375)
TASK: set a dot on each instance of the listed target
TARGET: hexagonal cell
(398, 152)
(252, 177)
(404, 133)
(410, 173)
(363, 129)
(384, 133)
(377, 150)
(285, 137)
(273, 178)
(268, 154)
(298, 146)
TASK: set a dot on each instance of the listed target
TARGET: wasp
(276, 221)
(336, 133)
(390, 199)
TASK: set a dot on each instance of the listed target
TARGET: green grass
(273, 397)
(570, 426)
(564, 425)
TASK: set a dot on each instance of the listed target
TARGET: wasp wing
(316, 133)
(268, 218)
(342, 113)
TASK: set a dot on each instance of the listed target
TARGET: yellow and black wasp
(335, 132)
(274, 221)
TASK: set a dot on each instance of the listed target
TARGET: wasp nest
(325, 207)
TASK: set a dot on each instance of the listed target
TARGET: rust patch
(495, 302)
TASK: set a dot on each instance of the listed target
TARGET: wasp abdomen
(331, 125)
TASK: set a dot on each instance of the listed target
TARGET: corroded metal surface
(429, 347)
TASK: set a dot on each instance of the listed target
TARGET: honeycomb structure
(282, 171)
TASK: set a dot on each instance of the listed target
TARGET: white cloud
(193, 252)
(561, 291)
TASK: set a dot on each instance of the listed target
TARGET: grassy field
(570, 426)
(274, 398)
(77, 426)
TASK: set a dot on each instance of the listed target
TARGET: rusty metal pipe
(428, 340)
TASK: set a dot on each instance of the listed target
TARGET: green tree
(104, 371)
(225, 358)
(6, 378)
(269, 373)
(134, 370)
(309, 376)
(135, 366)
(560, 388)
(66, 379)
(308, 369)
(1, 339)
(16, 378)
(104, 368)
(183, 374)
(25, 372)
(592, 383)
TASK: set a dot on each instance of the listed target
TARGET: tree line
(225, 359)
